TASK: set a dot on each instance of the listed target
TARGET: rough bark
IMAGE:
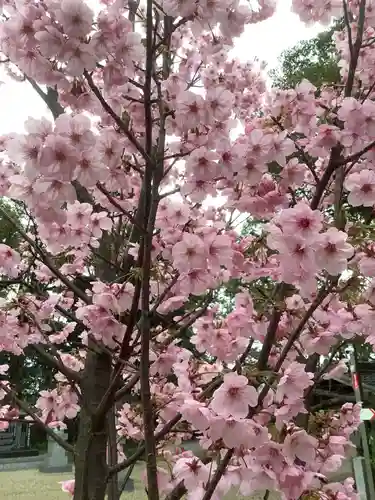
(91, 448)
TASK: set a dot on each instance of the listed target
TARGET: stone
(56, 459)
(15, 441)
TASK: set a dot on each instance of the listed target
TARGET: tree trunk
(91, 449)
(112, 489)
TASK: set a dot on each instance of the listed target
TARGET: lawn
(33, 485)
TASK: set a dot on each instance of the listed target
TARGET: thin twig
(119, 122)
(46, 260)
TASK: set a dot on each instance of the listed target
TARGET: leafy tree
(315, 59)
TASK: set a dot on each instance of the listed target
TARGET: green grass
(33, 485)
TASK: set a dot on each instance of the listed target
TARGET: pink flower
(75, 17)
(328, 136)
(351, 113)
(202, 164)
(196, 413)
(189, 253)
(10, 261)
(100, 222)
(299, 444)
(129, 49)
(259, 144)
(361, 187)
(332, 251)
(190, 110)
(183, 8)
(79, 56)
(78, 214)
(281, 147)
(336, 371)
(68, 486)
(219, 250)
(301, 220)
(293, 382)
(219, 103)
(293, 174)
(234, 397)
(51, 41)
(25, 150)
(109, 148)
(77, 128)
(294, 481)
(195, 282)
(192, 471)
(366, 266)
(58, 158)
(47, 401)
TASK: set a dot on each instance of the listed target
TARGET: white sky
(265, 40)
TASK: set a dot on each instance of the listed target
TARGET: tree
(315, 60)
(117, 281)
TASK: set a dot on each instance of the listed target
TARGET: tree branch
(150, 205)
(46, 260)
(27, 409)
(218, 475)
(119, 122)
(50, 98)
(52, 362)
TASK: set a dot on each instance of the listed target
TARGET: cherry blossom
(234, 397)
(189, 242)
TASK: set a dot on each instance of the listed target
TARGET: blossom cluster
(133, 199)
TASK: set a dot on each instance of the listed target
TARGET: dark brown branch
(338, 400)
(218, 475)
(294, 336)
(119, 207)
(127, 387)
(50, 98)
(53, 362)
(177, 492)
(119, 122)
(269, 340)
(166, 37)
(331, 167)
(354, 55)
(145, 323)
(348, 27)
(305, 157)
(357, 156)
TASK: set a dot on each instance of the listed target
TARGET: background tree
(315, 60)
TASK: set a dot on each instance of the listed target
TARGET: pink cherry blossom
(361, 187)
(299, 444)
(333, 251)
(189, 253)
(75, 17)
(234, 397)
(68, 486)
(10, 261)
(301, 220)
(180, 256)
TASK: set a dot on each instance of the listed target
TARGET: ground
(33, 485)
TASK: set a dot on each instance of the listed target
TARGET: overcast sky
(265, 40)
